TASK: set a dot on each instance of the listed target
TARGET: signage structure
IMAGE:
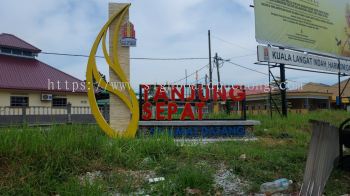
(182, 111)
(289, 57)
(168, 101)
(130, 100)
(318, 26)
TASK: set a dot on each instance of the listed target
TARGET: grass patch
(51, 161)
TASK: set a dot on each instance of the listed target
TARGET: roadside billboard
(319, 26)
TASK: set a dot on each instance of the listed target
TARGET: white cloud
(164, 29)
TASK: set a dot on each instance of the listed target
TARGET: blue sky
(164, 28)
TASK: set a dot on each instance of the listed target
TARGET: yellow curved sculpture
(113, 62)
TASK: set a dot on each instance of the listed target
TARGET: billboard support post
(339, 91)
(274, 103)
(283, 90)
(270, 90)
(346, 84)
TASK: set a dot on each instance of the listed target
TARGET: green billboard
(320, 26)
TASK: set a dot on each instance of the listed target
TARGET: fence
(39, 115)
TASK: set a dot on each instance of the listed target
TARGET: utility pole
(186, 82)
(210, 66)
(210, 105)
(216, 59)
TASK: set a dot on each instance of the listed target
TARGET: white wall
(75, 99)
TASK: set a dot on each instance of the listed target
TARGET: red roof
(31, 74)
(259, 89)
(11, 41)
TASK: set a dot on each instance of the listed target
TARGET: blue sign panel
(200, 131)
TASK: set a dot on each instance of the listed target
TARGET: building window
(6, 50)
(18, 101)
(59, 102)
(17, 52)
(25, 53)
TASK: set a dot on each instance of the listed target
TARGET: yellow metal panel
(92, 73)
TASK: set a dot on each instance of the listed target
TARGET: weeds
(51, 161)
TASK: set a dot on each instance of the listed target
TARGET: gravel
(229, 182)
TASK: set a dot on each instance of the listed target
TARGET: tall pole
(339, 88)
(210, 106)
(283, 90)
(270, 90)
(186, 75)
(339, 92)
(210, 66)
(217, 68)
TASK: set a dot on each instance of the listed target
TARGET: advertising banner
(290, 57)
(319, 26)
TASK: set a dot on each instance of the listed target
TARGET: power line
(133, 58)
(233, 44)
(235, 57)
(200, 79)
(198, 70)
(244, 67)
(254, 70)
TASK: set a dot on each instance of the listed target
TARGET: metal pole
(346, 84)
(283, 90)
(339, 88)
(270, 91)
(210, 66)
(217, 68)
(210, 74)
(186, 88)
